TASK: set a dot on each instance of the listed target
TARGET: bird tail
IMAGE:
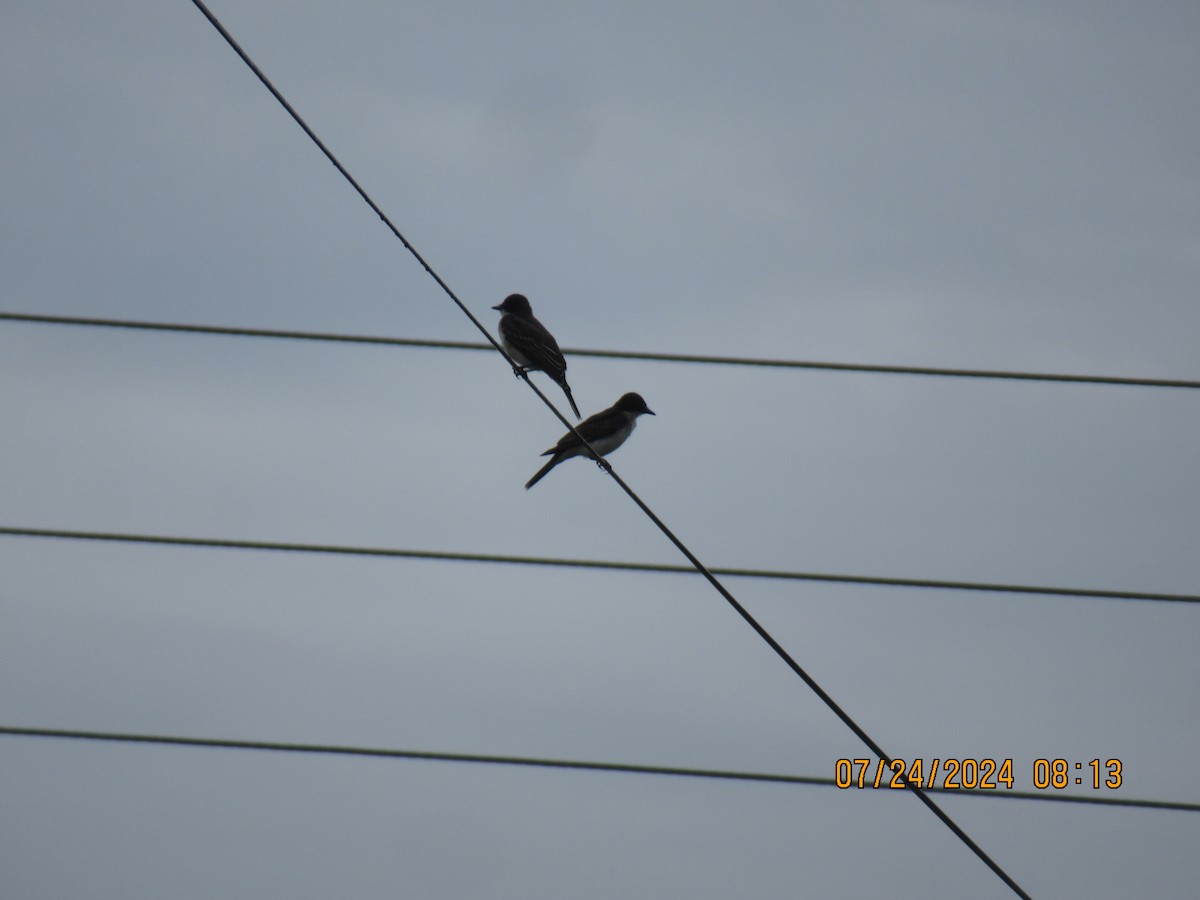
(541, 473)
(570, 399)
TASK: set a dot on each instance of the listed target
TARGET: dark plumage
(605, 431)
(530, 345)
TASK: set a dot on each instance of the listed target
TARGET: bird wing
(535, 343)
(593, 428)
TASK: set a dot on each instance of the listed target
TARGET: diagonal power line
(695, 358)
(924, 797)
(611, 565)
(542, 762)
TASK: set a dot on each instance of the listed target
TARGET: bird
(530, 345)
(605, 431)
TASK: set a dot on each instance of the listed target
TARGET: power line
(612, 565)
(607, 467)
(543, 763)
(241, 332)
(604, 354)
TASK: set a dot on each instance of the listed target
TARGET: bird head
(633, 403)
(515, 303)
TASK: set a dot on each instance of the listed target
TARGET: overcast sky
(950, 184)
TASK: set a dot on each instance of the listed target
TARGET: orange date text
(949, 774)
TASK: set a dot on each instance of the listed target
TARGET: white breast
(607, 445)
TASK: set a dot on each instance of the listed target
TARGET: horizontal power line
(231, 544)
(536, 762)
(607, 354)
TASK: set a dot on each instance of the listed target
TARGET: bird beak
(497, 306)
(650, 411)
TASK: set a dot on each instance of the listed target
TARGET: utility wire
(612, 565)
(538, 762)
(604, 354)
(607, 467)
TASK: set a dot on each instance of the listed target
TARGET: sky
(945, 183)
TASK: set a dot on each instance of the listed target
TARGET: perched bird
(530, 345)
(605, 431)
